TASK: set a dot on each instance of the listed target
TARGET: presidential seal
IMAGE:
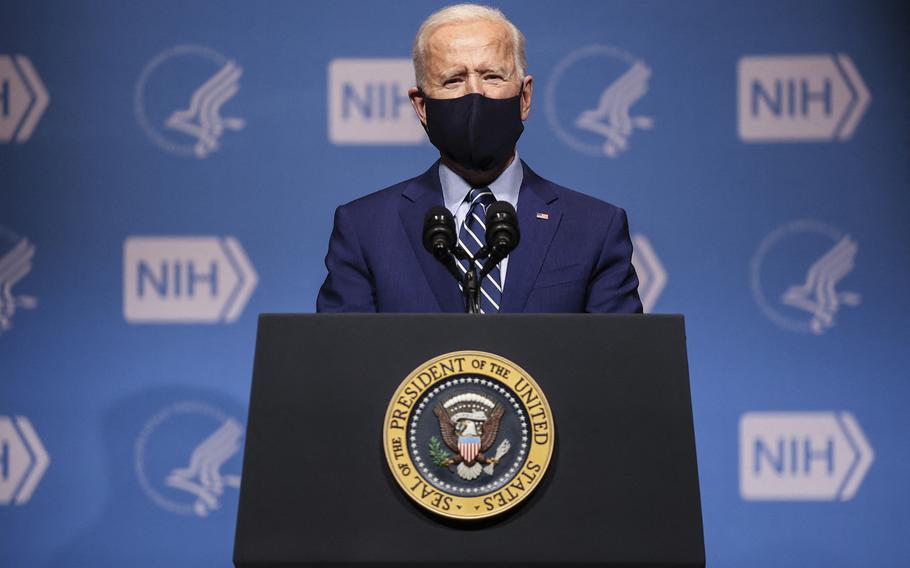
(468, 435)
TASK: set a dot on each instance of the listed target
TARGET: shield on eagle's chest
(469, 447)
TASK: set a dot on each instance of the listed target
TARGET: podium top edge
(272, 315)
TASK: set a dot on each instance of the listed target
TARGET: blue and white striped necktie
(472, 237)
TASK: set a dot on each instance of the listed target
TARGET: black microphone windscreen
(438, 229)
(501, 210)
(502, 226)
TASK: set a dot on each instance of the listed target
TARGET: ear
(526, 93)
(419, 104)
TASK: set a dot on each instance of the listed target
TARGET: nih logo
(799, 98)
(369, 104)
(185, 279)
(801, 456)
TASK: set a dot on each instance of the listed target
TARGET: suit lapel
(535, 196)
(418, 196)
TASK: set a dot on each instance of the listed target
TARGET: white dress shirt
(505, 188)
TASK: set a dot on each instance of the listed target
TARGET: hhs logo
(369, 104)
(185, 279)
(23, 460)
(185, 456)
(801, 456)
(16, 254)
(797, 276)
(23, 98)
(591, 111)
(799, 97)
(179, 99)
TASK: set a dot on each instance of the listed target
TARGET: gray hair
(461, 13)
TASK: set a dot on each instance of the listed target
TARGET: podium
(621, 488)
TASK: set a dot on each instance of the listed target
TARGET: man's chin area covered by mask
(478, 177)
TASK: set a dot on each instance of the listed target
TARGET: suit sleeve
(614, 286)
(348, 287)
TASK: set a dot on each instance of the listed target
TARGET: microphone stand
(440, 240)
(470, 283)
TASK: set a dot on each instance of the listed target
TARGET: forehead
(469, 44)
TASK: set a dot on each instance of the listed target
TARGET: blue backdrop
(169, 170)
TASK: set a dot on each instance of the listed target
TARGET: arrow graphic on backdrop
(23, 460)
(652, 276)
(801, 456)
(23, 98)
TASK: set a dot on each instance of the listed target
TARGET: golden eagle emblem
(469, 424)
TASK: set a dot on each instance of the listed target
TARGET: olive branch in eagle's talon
(438, 454)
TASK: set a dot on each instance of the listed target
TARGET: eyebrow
(452, 72)
(462, 70)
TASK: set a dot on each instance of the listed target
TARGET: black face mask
(475, 132)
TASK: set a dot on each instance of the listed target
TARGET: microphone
(502, 233)
(439, 238)
(439, 232)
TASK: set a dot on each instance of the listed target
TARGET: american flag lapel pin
(543, 216)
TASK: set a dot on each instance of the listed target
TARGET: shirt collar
(504, 188)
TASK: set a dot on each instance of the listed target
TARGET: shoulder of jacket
(577, 201)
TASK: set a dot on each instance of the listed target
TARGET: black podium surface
(621, 489)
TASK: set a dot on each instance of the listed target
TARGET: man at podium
(472, 97)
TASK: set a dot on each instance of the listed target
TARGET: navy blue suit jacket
(578, 259)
